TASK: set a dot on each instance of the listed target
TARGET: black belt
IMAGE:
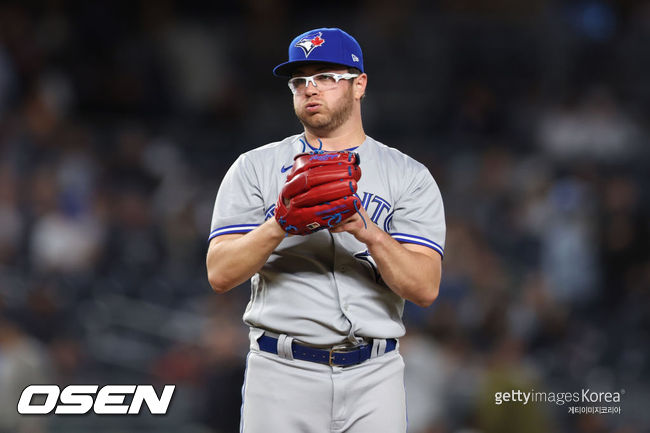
(335, 356)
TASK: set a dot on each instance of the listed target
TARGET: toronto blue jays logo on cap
(310, 42)
(326, 45)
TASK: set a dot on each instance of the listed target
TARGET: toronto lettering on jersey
(81, 399)
(381, 207)
(377, 207)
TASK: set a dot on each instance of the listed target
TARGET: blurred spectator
(7, 80)
(426, 379)
(508, 371)
(61, 242)
(568, 242)
(624, 238)
(23, 361)
(12, 225)
(596, 127)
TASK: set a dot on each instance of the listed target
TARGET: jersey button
(343, 269)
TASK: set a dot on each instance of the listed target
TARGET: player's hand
(365, 232)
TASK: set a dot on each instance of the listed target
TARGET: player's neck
(339, 139)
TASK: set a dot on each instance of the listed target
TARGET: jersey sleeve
(239, 206)
(419, 215)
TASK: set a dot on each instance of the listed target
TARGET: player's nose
(311, 89)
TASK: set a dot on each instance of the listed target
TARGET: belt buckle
(341, 348)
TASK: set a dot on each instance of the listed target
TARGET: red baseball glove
(319, 192)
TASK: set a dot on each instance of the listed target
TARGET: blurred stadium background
(119, 119)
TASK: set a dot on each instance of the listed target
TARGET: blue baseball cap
(327, 45)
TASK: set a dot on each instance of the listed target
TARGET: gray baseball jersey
(324, 288)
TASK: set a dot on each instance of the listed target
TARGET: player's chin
(317, 122)
(311, 116)
(308, 112)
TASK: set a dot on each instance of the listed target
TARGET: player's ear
(359, 86)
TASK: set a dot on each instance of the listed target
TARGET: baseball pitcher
(334, 230)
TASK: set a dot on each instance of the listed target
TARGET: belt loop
(382, 347)
(288, 347)
(378, 347)
(284, 347)
(280, 345)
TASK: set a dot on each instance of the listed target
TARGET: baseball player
(335, 230)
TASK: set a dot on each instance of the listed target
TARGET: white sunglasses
(322, 81)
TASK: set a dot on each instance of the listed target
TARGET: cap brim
(285, 69)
